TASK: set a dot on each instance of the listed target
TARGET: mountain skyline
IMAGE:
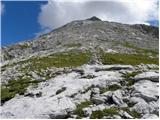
(25, 20)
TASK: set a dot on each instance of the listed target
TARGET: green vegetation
(60, 90)
(140, 50)
(14, 87)
(132, 113)
(72, 45)
(128, 78)
(106, 112)
(127, 59)
(141, 56)
(79, 109)
(110, 88)
(38, 64)
(24, 46)
(65, 59)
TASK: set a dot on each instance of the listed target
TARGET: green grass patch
(110, 88)
(132, 113)
(127, 59)
(128, 78)
(65, 59)
(79, 109)
(14, 87)
(24, 46)
(73, 45)
(141, 56)
(141, 50)
(106, 112)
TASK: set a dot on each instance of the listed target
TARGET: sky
(26, 20)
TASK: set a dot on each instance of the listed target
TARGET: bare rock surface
(62, 104)
(84, 69)
(146, 89)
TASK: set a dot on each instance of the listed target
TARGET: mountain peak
(94, 18)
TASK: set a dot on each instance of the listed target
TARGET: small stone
(97, 100)
(117, 97)
(117, 117)
(95, 91)
(126, 115)
(87, 112)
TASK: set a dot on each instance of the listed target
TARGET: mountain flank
(85, 69)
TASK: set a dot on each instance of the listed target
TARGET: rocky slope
(85, 69)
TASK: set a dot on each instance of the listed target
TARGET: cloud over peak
(59, 12)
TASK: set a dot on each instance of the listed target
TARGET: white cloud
(1, 8)
(59, 12)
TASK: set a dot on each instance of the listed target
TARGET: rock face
(148, 76)
(88, 33)
(77, 71)
(146, 89)
(94, 18)
(62, 104)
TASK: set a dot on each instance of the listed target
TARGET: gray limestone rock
(146, 89)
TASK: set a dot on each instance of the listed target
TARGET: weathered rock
(141, 107)
(114, 68)
(153, 76)
(154, 106)
(86, 32)
(87, 112)
(100, 107)
(107, 94)
(135, 100)
(95, 91)
(125, 115)
(146, 89)
(117, 117)
(118, 99)
(97, 100)
(59, 90)
(150, 116)
(59, 115)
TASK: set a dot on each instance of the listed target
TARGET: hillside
(84, 69)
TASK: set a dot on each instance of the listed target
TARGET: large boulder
(141, 107)
(153, 76)
(146, 89)
(97, 100)
(118, 99)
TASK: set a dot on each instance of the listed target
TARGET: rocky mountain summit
(84, 69)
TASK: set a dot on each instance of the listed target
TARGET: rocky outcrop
(84, 69)
(141, 98)
(90, 33)
(146, 89)
(152, 76)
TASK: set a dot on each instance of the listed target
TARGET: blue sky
(19, 21)
(24, 20)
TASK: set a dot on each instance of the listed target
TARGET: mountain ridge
(85, 69)
(88, 31)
